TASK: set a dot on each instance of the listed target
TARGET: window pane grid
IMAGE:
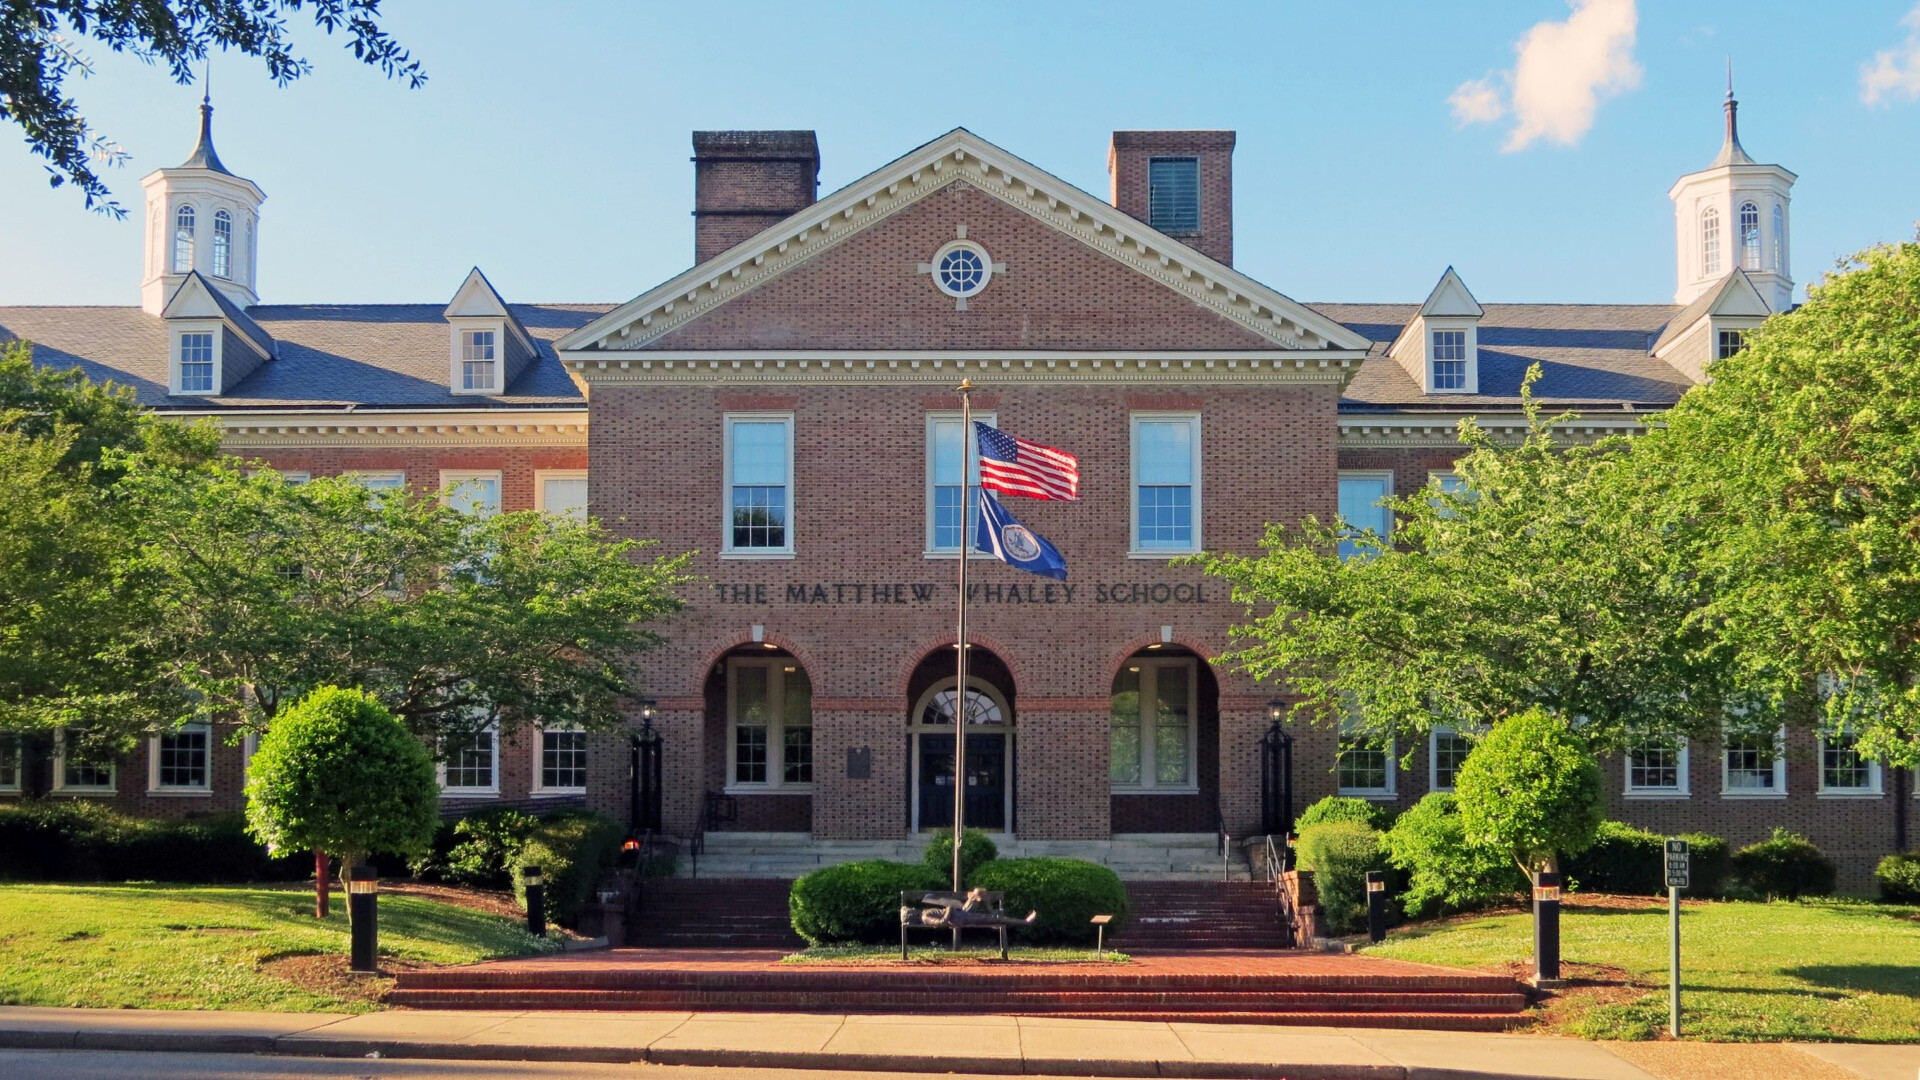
(222, 243)
(760, 516)
(1731, 341)
(1363, 765)
(1750, 765)
(1749, 236)
(563, 759)
(196, 363)
(87, 774)
(1841, 766)
(1166, 516)
(183, 240)
(10, 764)
(471, 763)
(1710, 241)
(750, 754)
(1654, 768)
(1449, 753)
(797, 764)
(183, 759)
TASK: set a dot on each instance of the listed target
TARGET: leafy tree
(40, 48)
(1793, 482)
(340, 775)
(1444, 871)
(268, 590)
(1538, 584)
(93, 418)
(1530, 788)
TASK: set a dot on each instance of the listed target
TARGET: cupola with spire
(200, 216)
(1733, 215)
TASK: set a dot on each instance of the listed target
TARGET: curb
(299, 1046)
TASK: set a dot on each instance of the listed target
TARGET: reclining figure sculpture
(946, 909)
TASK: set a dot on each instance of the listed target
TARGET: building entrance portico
(989, 759)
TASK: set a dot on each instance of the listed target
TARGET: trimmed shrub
(856, 901)
(1344, 808)
(479, 850)
(1340, 853)
(1623, 859)
(1898, 876)
(1444, 872)
(76, 840)
(1786, 866)
(975, 848)
(1710, 863)
(1066, 892)
(574, 850)
(1531, 788)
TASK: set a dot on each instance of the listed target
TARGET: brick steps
(714, 913)
(947, 1001)
(1200, 915)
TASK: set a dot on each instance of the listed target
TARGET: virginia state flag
(1015, 544)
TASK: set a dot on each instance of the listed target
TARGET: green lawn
(1813, 970)
(179, 947)
(863, 955)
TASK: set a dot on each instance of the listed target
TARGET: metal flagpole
(960, 635)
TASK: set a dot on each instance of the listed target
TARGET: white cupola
(1733, 215)
(200, 217)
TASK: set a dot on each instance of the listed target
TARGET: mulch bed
(326, 973)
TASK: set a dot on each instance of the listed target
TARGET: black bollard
(363, 909)
(536, 900)
(1546, 928)
(1376, 906)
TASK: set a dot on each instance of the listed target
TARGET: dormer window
(196, 363)
(1449, 359)
(183, 240)
(1731, 341)
(222, 244)
(479, 363)
(1173, 194)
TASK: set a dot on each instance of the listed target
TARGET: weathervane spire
(203, 156)
(1731, 152)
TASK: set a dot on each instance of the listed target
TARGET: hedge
(1786, 866)
(1898, 876)
(1344, 808)
(574, 849)
(1444, 872)
(76, 840)
(976, 848)
(1340, 853)
(856, 901)
(1067, 893)
(479, 850)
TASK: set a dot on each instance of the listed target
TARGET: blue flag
(1015, 544)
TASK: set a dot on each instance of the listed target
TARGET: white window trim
(487, 791)
(539, 741)
(1134, 550)
(776, 729)
(1779, 789)
(1683, 791)
(60, 785)
(540, 478)
(249, 746)
(1148, 784)
(19, 765)
(180, 328)
(376, 478)
(1368, 474)
(1385, 794)
(727, 550)
(155, 787)
(452, 479)
(1470, 383)
(1873, 790)
(1433, 758)
(973, 458)
(457, 355)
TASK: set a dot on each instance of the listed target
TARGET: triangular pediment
(196, 298)
(1261, 317)
(1450, 298)
(1736, 296)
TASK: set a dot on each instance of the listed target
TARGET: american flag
(1013, 466)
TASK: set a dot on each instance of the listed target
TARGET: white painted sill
(748, 556)
(181, 792)
(1657, 795)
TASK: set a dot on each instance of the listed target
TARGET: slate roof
(385, 355)
(1589, 354)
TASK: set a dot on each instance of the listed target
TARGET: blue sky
(553, 153)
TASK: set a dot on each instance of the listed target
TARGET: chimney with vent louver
(744, 181)
(1179, 182)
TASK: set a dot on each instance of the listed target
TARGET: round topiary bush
(1532, 789)
(1344, 808)
(1340, 853)
(856, 901)
(1445, 873)
(976, 847)
(1898, 876)
(1067, 893)
(1785, 866)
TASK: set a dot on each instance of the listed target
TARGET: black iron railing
(1276, 868)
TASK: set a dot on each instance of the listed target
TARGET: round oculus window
(961, 269)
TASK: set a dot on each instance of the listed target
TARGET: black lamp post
(1546, 929)
(643, 773)
(536, 900)
(1276, 778)
(363, 910)
(1376, 906)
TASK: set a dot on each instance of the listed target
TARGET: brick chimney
(1193, 174)
(744, 181)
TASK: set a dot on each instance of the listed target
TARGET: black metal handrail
(716, 807)
(1276, 870)
(1225, 841)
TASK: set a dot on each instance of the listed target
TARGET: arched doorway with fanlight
(989, 704)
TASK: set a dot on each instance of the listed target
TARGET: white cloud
(1561, 73)
(1894, 72)
(1477, 101)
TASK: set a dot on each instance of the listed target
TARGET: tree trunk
(319, 884)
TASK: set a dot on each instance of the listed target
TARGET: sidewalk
(941, 1044)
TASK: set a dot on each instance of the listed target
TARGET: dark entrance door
(986, 780)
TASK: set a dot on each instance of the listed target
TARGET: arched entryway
(759, 740)
(988, 708)
(1164, 758)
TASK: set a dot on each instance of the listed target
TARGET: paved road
(118, 1065)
